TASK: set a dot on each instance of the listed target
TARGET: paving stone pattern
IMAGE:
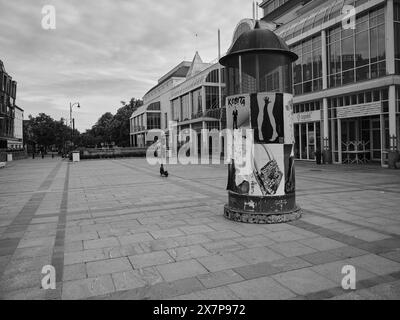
(114, 229)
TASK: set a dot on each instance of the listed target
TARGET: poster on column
(269, 168)
(267, 174)
(290, 182)
(266, 116)
(237, 111)
(288, 119)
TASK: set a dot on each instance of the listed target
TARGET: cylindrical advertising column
(259, 108)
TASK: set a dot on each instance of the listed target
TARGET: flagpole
(219, 80)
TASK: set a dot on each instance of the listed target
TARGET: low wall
(86, 154)
(17, 155)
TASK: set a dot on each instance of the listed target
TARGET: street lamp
(71, 105)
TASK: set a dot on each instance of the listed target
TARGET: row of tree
(47, 133)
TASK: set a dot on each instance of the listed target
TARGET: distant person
(235, 118)
(163, 172)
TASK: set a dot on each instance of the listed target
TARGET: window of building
(306, 107)
(196, 101)
(176, 109)
(359, 54)
(213, 76)
(272, 5)
(153, 120)
(379, 95)
(212, 98)
(307, 70)
(155, 106)
(396, 14)
(233, 78)
(185, 107)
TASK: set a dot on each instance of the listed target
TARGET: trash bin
(393, 158)
(318, 155)
(76, 157)
(9, 157)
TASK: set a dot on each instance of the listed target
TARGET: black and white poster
(266, 114)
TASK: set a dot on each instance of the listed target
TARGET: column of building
(390, 68)
(203, 103)
(326, 143)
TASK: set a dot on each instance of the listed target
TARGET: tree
(120, 126)
(112, 128)
(102, 128)
(46, 132)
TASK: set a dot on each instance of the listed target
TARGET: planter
(393, 158)
(318, 155)
(327, 157)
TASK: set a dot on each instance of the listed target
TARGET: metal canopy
(262, 41)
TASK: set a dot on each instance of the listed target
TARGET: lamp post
(71, 105)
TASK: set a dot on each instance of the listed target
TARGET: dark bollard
(318, 156)
(33, 155)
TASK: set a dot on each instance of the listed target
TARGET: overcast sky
(105, 51)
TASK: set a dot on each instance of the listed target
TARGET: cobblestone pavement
(114, 229)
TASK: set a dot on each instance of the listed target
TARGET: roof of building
(2, 69)
(311, 15)
(197, 66)
(180, 71)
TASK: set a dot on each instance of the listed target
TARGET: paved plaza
(114, 229)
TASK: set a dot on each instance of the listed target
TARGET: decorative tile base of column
(260, 218)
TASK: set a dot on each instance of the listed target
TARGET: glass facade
(272, 5)
(307, 107)
(316, 18)
(213, 76)
(212, 97)
(185, 107)
(307, 70)
(261, 72)
(396, 14)
(308, 140)
(196, 101)
(359, 54)
(359, 132)
(176, 109)
(153, 121)
(363, 133)
(156, 106)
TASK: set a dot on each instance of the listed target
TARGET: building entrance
(361, 140)
(308, 140)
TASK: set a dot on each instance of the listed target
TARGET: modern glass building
(187, 95)
(346, 81)
(152, 114)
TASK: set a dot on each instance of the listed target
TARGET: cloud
(105, 51)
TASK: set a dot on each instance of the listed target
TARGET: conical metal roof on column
(258, 41)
